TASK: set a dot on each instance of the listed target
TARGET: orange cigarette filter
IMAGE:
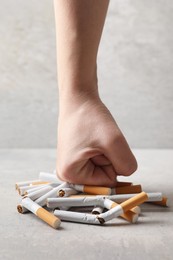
(129, 215)
(163, 202)
(123, 184)
(97, 190)
(132, 202)
(39, 183)
(128, 189)
(40, 212)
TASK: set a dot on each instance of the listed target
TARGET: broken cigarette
(103, 217)
(34, 189)
(92, 189)
(123, 207)
(38, 193)
(152, 197)
(23, 189)
(75, 202)
(43, 199)
(66, 192)
(40, 212)
(76, 217)
(130, 215)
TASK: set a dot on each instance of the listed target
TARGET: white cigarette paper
(152, 196)
(40, 212)
(38, 193)
(53, 193)
(123, 207)
(77, 202)
(23, 189)
(97, 210)
(24, 183)
(45, 176)
(34, 189)
(76, 217)
(103, 217)
(43, 199)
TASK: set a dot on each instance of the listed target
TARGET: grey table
(27, 237)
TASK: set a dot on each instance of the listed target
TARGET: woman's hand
(91, 148)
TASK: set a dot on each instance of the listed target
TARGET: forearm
(79, 26)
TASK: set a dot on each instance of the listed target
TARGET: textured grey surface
(26, 237)
(135, 66)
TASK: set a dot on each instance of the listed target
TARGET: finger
(100, 160)
(87, 173)
(122, 158)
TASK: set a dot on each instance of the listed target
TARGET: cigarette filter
(92, 189)
(164, 202)
(39, 183)
(123, 184)
(127, 189)
(40, 212)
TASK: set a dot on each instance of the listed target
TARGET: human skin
(91, 148)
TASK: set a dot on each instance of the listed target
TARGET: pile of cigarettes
(52, 200)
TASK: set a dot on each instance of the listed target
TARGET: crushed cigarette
(107, 203)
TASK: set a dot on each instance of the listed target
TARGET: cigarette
(23, 183)
(53, 193)
(23, 189)
(123, 184)
(164, 202)
(123, 207)
(103, 217)
(75, 202)
(152, 196)
(43, 199)
(49, 177)
(66, 192)
(92, 189)
(129, 215)
(38, 193)
(97, 210)
(53, 185)
(76, 217)
(40, 212)
(34, 189)
(127, 189)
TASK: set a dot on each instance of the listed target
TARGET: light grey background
(135, 67)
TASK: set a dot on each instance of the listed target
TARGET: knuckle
(130, 168)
